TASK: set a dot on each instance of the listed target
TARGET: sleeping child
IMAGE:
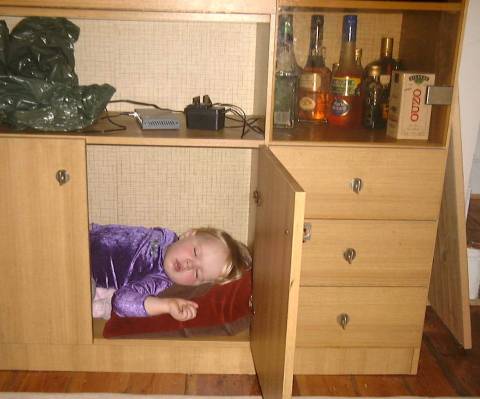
(132, 265)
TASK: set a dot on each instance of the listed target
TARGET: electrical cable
(238, 115)
(248, 123)
(145, 104)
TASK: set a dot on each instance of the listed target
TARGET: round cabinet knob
(357, 185)
(62, 176)
(343, 319)
(349, 255)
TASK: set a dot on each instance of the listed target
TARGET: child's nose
(188, 264)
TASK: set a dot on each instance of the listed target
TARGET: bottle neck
(347, 57)
(386, 48)
(286, 59)
(316, 52)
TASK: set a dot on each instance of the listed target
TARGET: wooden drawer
(397, 183)
(393, 253)
(377, 316)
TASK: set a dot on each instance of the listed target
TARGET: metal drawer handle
(307, 231)
(343, 319)
(349, 255)
(62, 177)
(357, 185)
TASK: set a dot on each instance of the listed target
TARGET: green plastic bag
(38, 84)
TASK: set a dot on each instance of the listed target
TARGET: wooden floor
(445, 369)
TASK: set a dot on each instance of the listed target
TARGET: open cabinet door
(276, 271)
(448, 292)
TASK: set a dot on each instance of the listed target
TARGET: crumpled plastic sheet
(38, 84)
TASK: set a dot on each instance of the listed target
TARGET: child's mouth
(177, 266)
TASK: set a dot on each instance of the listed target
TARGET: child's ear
(188, 233)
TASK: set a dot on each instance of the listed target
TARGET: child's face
(195, 259)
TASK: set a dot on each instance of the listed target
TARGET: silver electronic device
(153, 119)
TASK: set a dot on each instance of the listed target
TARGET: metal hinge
(439, 95)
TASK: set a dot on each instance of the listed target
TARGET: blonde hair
(239, 259)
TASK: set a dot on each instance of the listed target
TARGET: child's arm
(139, 299)
(179, 309)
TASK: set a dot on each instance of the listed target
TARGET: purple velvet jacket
(130, 259)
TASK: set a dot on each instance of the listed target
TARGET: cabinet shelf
(133, 135)
(102, 8)
(374, 5)
(305, 134)
(132, 15)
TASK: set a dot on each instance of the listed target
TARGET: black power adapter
(204, 115)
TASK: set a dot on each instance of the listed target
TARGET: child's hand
(181, 309)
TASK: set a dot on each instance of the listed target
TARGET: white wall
(469, 85)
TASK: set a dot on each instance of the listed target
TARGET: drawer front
(374, 316)
(366, 253)
(355, 360)
(391, 183)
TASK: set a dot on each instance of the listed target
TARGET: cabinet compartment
(373, 316)
(425, 40)
(381, 253)
(401, 184)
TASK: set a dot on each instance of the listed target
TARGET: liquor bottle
(314, 81)
(387, 65)
(286, 75)
(346, 108)
(373, 99)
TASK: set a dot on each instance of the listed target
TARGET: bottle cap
(349, 28)
(285, 28)
(386, 47)
(316, 34)
(374, 70)
(317, 20)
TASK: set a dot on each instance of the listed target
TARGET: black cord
(239, 115)
(247, 124)
(146, 104)
(108, 117)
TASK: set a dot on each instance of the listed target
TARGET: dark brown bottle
(387, 65)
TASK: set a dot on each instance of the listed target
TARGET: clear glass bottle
(387, 65)
(286, 75)
(346, 108)
(314, 81)
(373, 99)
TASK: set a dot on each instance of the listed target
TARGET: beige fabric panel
(371, 27)
(178, 188)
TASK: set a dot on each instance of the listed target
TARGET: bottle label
(311, 81)
(385, 80)
(340, 107)
(346, 86)
(306, 104)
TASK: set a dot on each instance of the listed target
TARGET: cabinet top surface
(152, 9)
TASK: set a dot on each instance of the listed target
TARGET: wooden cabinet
(348, 300)
(44, 259)
(373, 202)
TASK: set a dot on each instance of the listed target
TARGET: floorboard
(445, 369)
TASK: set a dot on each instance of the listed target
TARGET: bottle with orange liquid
(346, 107)
(314, 82)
